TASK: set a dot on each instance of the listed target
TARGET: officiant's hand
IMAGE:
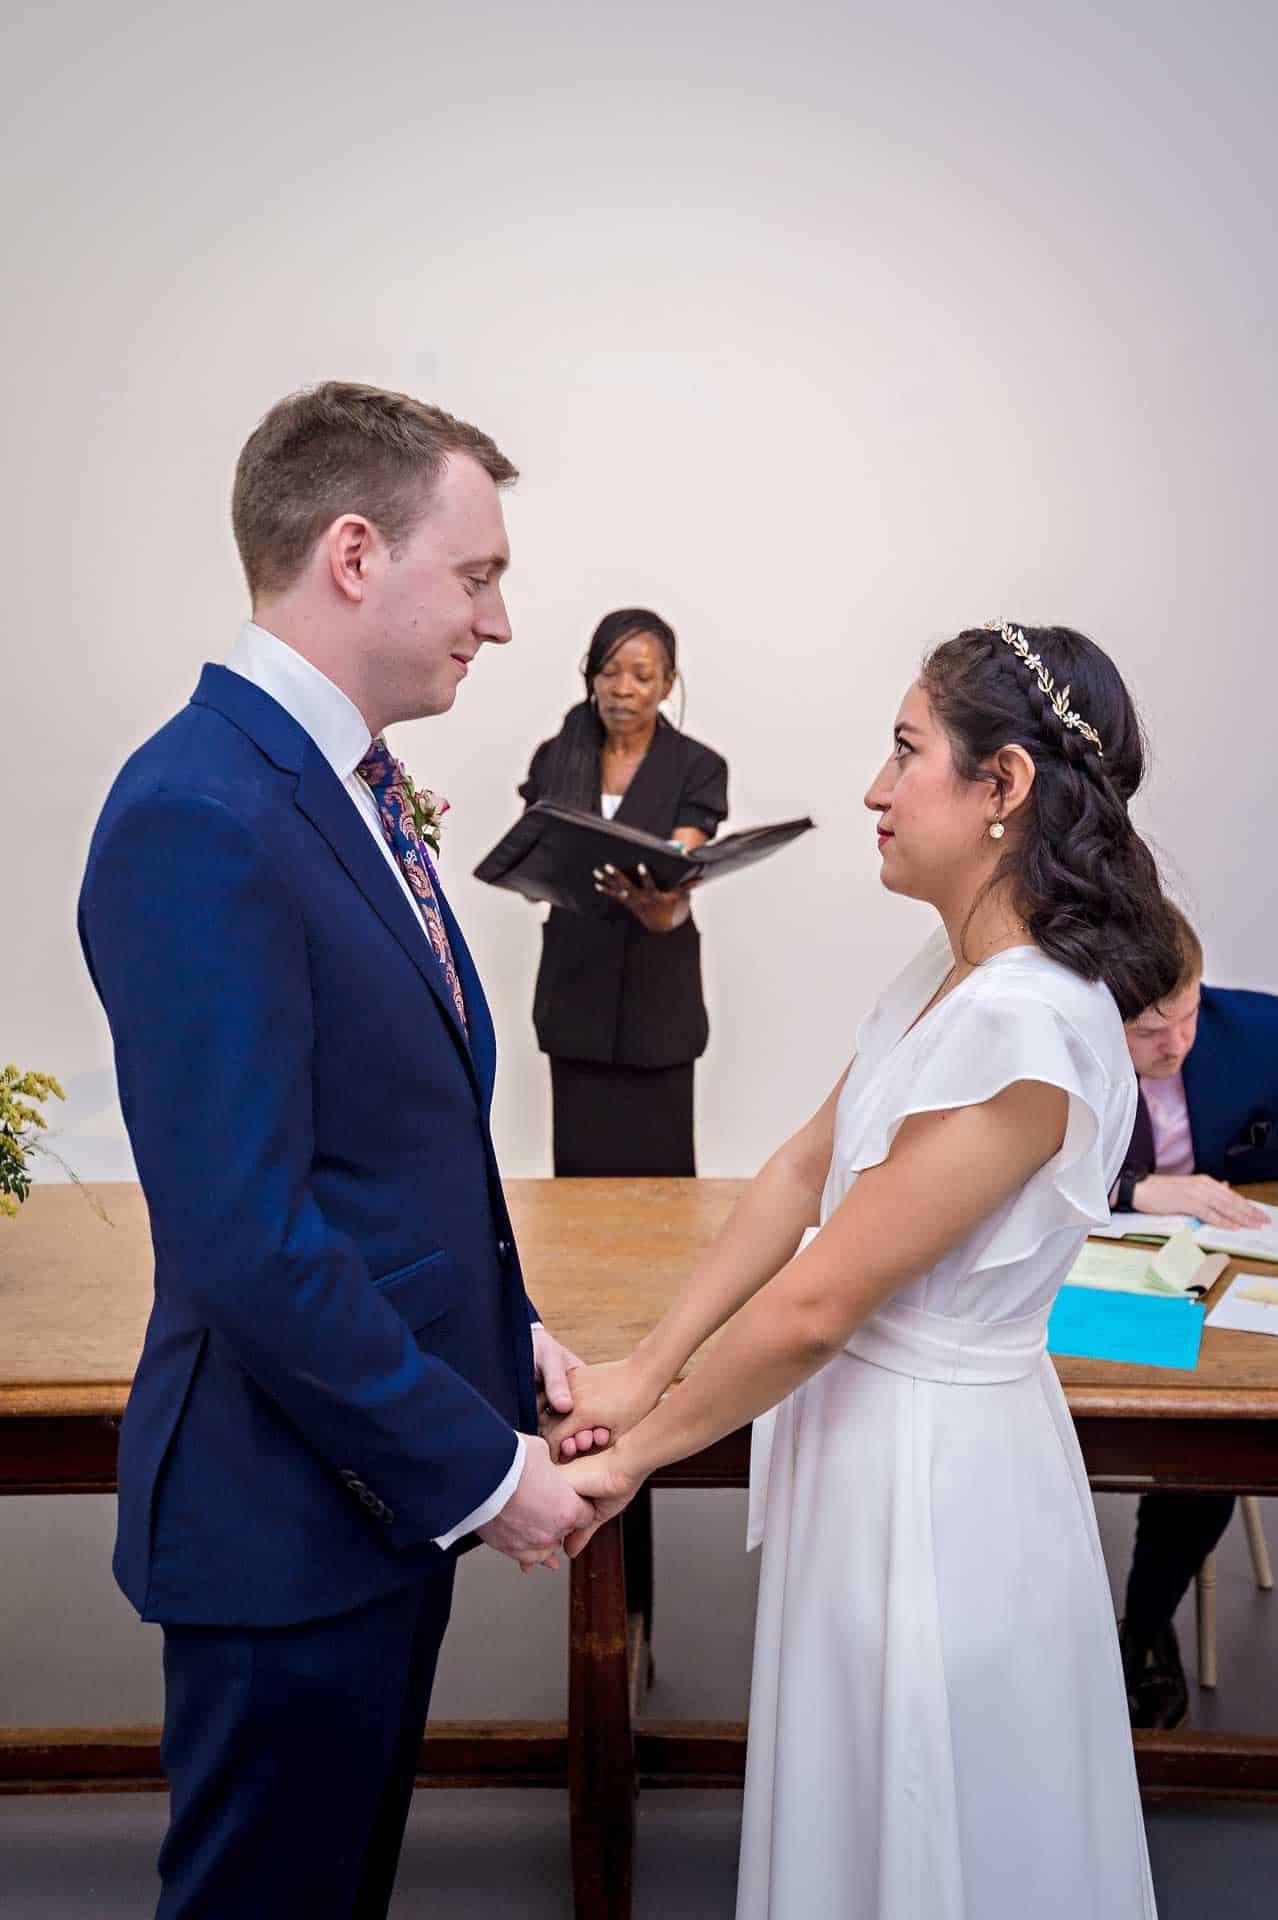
(657, 911)
(609, 1484)
(606, 1400)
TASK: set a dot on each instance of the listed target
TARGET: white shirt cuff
(494, 1503)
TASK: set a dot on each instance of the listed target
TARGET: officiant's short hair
(342, 448)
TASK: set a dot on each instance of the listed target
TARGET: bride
(938, 1727)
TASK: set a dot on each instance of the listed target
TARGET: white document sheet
(1249, 1305)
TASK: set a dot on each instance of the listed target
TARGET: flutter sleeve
(986, 1044)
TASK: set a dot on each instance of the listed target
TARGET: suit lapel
(1202, 1075)
(647, 800)
(1140, 1152)
(321, 796)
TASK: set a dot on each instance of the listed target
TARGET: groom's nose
(493, 622)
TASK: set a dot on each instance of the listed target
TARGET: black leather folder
(551, 853)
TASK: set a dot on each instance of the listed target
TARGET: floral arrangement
(21, 1123)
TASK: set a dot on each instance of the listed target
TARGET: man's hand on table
(1208, 1200)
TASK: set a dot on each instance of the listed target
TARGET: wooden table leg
(601, 1763)
(636, 1545)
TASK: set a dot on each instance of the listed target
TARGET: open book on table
(1245, 1243)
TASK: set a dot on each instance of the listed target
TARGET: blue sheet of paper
(1143, 1330)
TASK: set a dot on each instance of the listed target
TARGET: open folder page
(551, 853)
(1253, 1243)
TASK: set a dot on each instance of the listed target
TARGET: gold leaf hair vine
(1015, 639)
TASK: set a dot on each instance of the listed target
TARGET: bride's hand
(606, 1400)
(609, 1484)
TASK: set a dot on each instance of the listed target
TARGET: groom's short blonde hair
(342, 448)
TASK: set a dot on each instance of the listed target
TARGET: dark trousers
(290, 1753)
(623, 1123)
(1174, 1534)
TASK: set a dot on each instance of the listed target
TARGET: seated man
(1207, 1062)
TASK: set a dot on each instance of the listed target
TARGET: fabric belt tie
(921, 1346)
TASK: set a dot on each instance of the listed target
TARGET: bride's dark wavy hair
(1083, 880)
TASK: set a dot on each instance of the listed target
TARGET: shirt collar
(334, 722)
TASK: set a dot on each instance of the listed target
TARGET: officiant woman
(619, 1005)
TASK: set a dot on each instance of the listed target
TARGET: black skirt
(622, 1122)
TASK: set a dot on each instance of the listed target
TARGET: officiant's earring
(997, 830)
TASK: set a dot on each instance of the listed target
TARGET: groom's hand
(543, 1508)
(555, 1364)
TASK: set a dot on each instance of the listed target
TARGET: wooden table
(602, 1258)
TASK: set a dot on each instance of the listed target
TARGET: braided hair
(572, 772)
(1083, 880)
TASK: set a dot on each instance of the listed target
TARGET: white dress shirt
(337, 727)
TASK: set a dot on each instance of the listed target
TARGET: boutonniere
(427, 808)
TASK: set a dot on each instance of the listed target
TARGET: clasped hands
(590, 1441)
(584, 1410)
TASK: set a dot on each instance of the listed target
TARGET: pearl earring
(997, 830)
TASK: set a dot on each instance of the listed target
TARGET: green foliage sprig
(21, 1123)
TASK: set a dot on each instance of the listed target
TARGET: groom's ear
(348, 549)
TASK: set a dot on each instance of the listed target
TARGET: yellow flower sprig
(21, 1121)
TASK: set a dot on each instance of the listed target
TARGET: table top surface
(601, 1259)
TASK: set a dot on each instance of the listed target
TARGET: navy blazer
(1231, 1091)
(340, 1343)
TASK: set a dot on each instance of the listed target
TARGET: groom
(338, 1381)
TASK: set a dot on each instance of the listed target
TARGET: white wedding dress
(938, 1724)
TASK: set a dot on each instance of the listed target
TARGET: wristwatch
(1125, 1202)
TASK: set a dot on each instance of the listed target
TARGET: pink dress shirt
(1169, 1118)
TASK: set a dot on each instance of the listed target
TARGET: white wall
(823, 328)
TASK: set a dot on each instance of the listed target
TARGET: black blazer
(608, 990)
(1231, 1091)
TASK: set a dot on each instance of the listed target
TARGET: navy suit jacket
(1231, 1091)
(340, 1343)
